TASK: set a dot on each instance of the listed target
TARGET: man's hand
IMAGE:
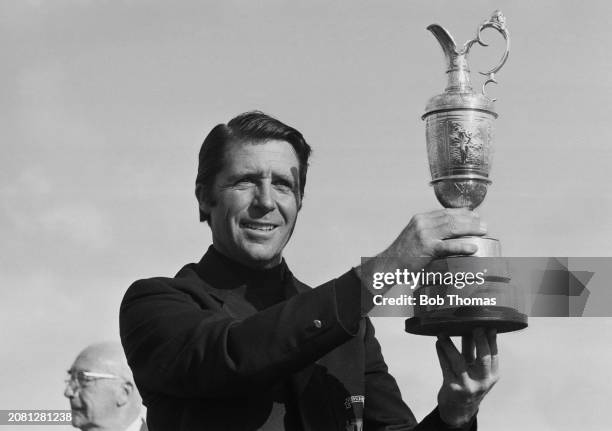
(431, 234)
(467, 378)
(427, 236)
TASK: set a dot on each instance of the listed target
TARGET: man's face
(257, 200)
(93, 404)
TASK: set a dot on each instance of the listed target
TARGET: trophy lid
(454, 100)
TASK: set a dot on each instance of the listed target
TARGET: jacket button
(317, 323)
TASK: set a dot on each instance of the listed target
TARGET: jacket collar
(225, 278)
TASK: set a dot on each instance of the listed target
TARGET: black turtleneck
(262, 288)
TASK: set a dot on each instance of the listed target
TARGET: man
(101, 391)
(235, 342)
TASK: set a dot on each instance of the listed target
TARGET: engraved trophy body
(459, 133)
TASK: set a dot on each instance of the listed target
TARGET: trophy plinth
(459, 133)
(460, 320)
(463, 320)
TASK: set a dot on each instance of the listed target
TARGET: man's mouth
(263, 227)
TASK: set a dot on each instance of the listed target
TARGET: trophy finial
(498, 18)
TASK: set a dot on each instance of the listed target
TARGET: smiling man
(236, 342)
(101, 391)
(255, 202)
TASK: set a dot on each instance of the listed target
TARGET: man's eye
(84, 379)
(283, 185)
(244, 182)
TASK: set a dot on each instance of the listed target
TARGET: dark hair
(252, 127)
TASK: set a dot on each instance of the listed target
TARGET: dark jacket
(204, 358)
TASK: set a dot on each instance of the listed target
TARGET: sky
(105, 104)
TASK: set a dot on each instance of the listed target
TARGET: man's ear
(204, 207)
(124, 392)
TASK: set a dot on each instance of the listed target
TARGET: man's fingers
(454, 246)
(492, 339)
(457, 212)
(454, 223)
(438, 233)
(447, 372)
(467, 348)
(456, 361)
(483, 352)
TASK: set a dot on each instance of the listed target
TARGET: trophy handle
(498, 22)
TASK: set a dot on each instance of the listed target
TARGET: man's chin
(78, 418)
(260, 257)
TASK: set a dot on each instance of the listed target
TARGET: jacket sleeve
(176, 347)
(384, 408)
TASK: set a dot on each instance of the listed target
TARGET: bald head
(101, 390)
(107, 357)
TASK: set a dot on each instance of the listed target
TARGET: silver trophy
(459, 133)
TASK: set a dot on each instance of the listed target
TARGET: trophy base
(463, 320)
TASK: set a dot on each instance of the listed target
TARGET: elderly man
(101, 391)
(236, 342)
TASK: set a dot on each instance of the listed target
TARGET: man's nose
(68, 390)
(263, 198)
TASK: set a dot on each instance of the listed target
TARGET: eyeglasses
(85, 378)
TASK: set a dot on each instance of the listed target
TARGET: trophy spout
(446, 42)
(458, 70)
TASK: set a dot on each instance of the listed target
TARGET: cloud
(34, 216)
(82, 223)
